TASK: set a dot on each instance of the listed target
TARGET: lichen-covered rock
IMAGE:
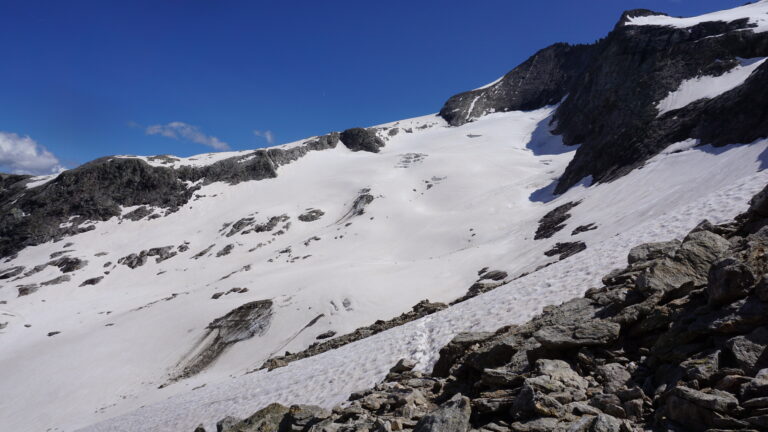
(729, 280)
(650, 251)
(452, 416)
(590, 333)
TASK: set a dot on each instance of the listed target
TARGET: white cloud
(180, 130)
(267, 135)
(22, 155)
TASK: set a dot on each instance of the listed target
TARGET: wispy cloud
(266, 134)
(188, 132)
(22, 155)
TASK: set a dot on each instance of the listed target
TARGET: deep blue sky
(86, 78)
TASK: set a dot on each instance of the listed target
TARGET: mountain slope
(611, 91)
(676, 340)
(164, 282)
(329, 378)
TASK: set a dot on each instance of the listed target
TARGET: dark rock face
(357, 139)
(97, 190)
(544, 79)
(94, 191)
(138, 214)
(553, 221)
(583, 228)
(564, 250)
(611, 108)
(613, 87)
(624, 358)
(92, 281)
(249, 320)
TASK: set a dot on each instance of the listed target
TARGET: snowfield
(708, 87)
(447, 201)
(329, 378)
(756, 12)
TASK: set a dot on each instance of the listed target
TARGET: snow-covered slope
(329, 378)
(156, 319)
(447, 201)
(756, 13)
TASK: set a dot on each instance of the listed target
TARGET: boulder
(267, 419)
(613, 376)
(357, 139)
(403, 365)
(651, 251)
(226, 424)
(749, 350)
(607, 423)
(590, 333)
(302, 417)
(562, 372)
(699, 249)
(451, 416)
(698, 410)
(729, 280)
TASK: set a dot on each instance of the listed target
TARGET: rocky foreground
(675, 341)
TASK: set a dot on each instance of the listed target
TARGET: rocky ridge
(676, 340)
(98, 190)
(614, 85)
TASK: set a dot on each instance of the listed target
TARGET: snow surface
(329, 378)
(448, 202)
(757, 13)
(171, 161)
(707, 87)
(490, 84)
(40, 180)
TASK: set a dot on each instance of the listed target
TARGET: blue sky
(83, 79)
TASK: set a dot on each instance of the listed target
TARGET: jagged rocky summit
(675, 341)
(609, 93)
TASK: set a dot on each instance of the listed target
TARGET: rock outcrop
(247, 321)
(677, 340)
(544, 79)
(554, 221)
(357, 139)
